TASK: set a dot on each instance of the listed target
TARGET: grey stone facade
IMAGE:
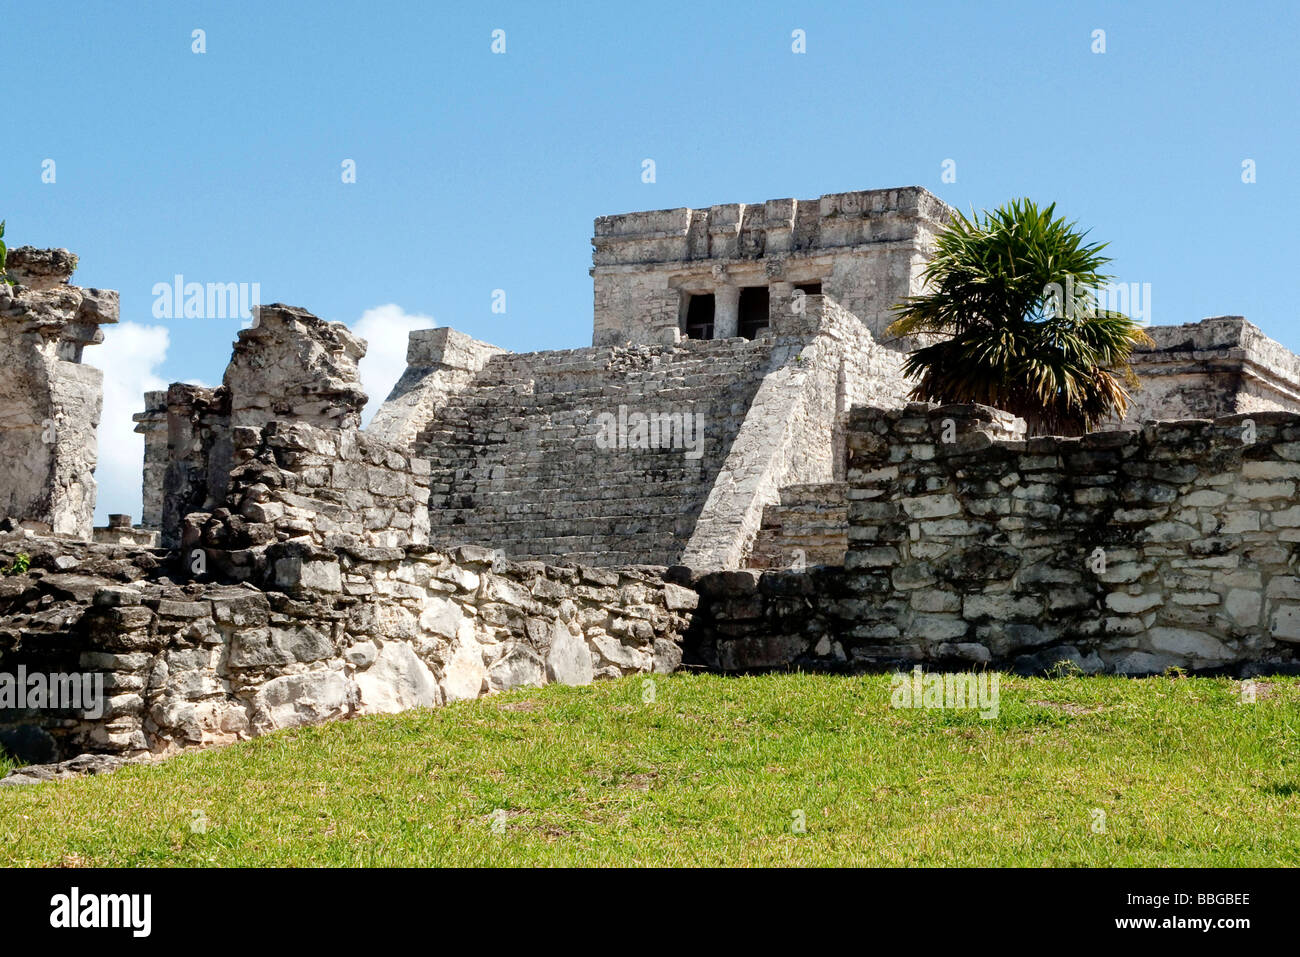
(863, 249)
(1215, 367)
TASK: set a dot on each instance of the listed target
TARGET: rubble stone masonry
(1125, 551)
(187, 661)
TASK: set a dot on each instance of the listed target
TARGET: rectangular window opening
(753, 311)
(699, 316)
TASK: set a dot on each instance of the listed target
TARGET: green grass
(712, 773)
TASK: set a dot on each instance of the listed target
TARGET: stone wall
(325, 488)
(1215, 367)
(808, 526)
(1126, 551)
(329, 635)
(865, 248)
(49, 402)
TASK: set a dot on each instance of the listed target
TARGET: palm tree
(1010, 292)
(4, 254)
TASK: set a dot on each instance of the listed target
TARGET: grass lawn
(713, 772)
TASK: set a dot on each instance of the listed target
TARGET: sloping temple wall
(541, 454)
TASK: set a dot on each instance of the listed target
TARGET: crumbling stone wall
(1125, 551)
(49, 402)
(439, 363)
(299, 469)
(288, 367)
(329, 489)
(1216, 367)
(327, 635)
(291, 365)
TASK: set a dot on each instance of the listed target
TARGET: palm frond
(1059, 362)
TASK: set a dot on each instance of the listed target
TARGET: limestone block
(1127, 604)
(293, 700)
(397, 681)
(294, 572)
(1284, 623)
(520, 666)
(276, 646)
(442, 616)
(624, 657)
(1192, 645)
(569, 661)
(465, 673)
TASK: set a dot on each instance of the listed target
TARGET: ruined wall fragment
(49, 402)
(152, 424)
(276, 455)
(334, 635)
(291, 365)
(196, 475)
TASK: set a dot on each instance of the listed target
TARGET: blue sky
(477, 171)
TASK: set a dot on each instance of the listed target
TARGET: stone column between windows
(780, 306)
(726, 312)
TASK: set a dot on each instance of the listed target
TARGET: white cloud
(385, 328)
(129, 356)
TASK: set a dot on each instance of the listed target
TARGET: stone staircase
(809, 526)
(516, 464)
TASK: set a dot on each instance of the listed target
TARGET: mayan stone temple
(730, 477)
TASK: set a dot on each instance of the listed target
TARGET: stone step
(515, 463)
